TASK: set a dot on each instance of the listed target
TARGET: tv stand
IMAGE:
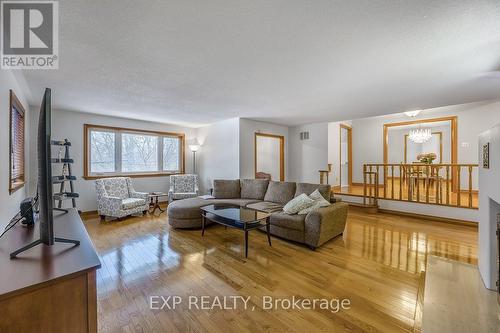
(49, 288)
(39, 241)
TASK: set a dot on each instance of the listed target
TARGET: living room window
(112, 151)
(16, 144)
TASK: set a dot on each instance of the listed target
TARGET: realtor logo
(29, 35)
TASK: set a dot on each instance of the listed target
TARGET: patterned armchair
(116, 197)
(183, 187)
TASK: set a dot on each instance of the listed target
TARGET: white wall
(9, 203)
(218, 157)
(307, 157)
(248, 128)
(69, 125)
(473, 118)
(489, 206)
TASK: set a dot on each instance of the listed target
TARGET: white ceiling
(284, 61)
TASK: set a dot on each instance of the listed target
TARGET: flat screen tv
(45, 215)
(45, 195)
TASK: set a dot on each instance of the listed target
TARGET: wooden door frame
(349, 154)
(454, 140)
(282, 152)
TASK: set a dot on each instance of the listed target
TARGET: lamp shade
(194, 147)
(413, 114)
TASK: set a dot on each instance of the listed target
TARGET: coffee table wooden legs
(246, 243)
(268, 230)
(202, 225)
(245, 231)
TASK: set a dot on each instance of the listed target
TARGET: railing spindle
(418, 183)
(459, 196)
(392, 182)
(427, 181)
(364, 184)
(447, 184)
(470, 186)
(402, 179)
(409, 181)
(376, 180)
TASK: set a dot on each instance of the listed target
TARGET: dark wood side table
(154, 203)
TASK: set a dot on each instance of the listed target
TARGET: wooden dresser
(49, 289)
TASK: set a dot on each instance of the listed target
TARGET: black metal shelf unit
(65, 177)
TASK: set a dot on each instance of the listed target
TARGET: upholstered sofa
(312, 229)
(116, 197)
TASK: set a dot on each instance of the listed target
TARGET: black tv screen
(46, 220)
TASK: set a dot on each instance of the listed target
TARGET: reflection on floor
(402, 192)
(376, 264)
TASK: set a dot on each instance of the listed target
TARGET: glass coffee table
(237, 217)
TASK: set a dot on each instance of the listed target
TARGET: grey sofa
(313, 229)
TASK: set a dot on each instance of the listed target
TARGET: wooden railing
(440, 184)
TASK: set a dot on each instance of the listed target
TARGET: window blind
(17, 163)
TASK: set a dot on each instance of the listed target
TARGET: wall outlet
(465, 144)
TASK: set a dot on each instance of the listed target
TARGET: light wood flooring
(465, 199)
(376, 264)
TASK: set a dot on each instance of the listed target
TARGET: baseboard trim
(88, 213)
(431, 217)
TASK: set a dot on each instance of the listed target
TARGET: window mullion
(118, 152)
(160, 153)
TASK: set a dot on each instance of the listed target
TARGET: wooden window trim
(15, 103)
(86, 157)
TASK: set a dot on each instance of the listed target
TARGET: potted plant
(426, 158)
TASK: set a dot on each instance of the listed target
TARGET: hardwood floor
(376, 264)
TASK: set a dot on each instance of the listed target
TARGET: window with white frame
(113, 151)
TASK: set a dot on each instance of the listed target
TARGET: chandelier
(420, 135)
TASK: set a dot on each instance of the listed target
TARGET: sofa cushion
(226, 189)
(129, 203)
(283, 220)
(237, 202)
(179, 196)
(190, 208)
(264, 206)
(253, 188)
(280, 192)
(308, 188)
(318, 202)
(297, 204)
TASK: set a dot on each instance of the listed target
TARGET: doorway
(269, 156)
(345, 170)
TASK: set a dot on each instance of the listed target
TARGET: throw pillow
(318, 202)
(297, 204)
(317, 196)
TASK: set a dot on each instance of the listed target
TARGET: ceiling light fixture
(413, 114)
(420, 135)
